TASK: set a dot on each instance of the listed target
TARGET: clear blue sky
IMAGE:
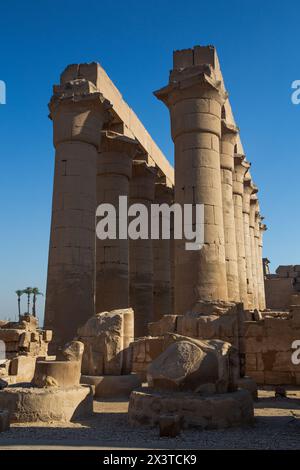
(258, 44)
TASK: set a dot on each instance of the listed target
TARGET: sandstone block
(47, 335)
(104, 342)
(212, 412)
(167, 324)
(10, 335)
(188, 364)
(23, 367)
(47, 404)
(73, 351)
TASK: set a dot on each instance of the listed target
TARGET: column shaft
(162, 261)
(253, 205)
(262, 293)
(240, 168)
(78, 118)
(112, 255)
(249, 189)
(227, 167)
(142, 187)
(195, 103)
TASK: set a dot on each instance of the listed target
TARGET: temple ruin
(103, 152)
(186, 335)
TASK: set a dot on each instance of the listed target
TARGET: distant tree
(35, 291)
(19, 294)
(28, 292)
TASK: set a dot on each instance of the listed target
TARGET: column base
(147, 407)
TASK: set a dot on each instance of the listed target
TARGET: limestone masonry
(103, 152)
(184, 335)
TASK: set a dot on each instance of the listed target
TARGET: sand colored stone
(146, 407)
(114, 170)
(228, 144)
(162, 264)
(142, 191)
(195, 99)
(240, 169)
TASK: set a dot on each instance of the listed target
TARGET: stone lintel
(76, 91)
(115, 142)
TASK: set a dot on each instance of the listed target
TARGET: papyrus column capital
(78, 111)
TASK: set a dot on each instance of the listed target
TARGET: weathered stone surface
(106, 339)
(23, 367)
(189, 364)
(73, 351)
(64, 374)
(205, 412)
(47, 404)
(268, 350)
(167, 324)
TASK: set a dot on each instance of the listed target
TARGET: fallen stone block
(23, 367)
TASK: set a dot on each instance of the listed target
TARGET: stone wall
(268, 346)
(24, 343)
(226, 324)
(281, 286)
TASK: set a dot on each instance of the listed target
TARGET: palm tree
(28, 292)
(19, 294)
(35, 291)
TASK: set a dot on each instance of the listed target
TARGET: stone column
(259, 260)
(228, 142)
(240, 169)
(195, 99)
(112, 255)
(162, 260)
(249, 189)
(78, 111)
(142, 189)
(262, 293)
(253, 210)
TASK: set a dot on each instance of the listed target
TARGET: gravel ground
(277, 426)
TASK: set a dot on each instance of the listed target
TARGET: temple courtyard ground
(277, 426)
